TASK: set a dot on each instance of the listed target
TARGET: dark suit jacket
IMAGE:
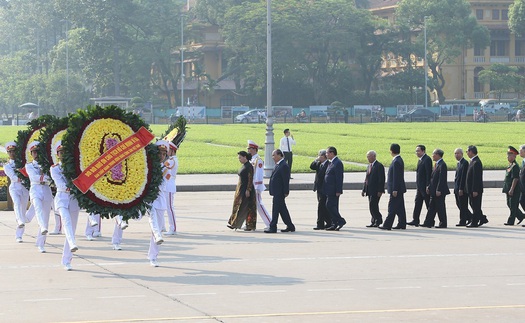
(460, 179)
(423, 173)
(522, 180)
(320, 171)
(333, 179)
(375, 180)
(280, 180)
(474, 176)
(396, 176)
(438, 180)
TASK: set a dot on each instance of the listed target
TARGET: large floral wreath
(24, 138)
(49, 136)
(127, 189)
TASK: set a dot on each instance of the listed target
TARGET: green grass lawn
(213, 148)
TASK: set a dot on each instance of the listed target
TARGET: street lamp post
(182, 61)
(269, 164)
(67, 61)
(426, 63)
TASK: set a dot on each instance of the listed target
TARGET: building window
(495, 14)
(227, 100)
(479, 14)
(504, 14)
(478, 87)
(499, 48)
(479, 51)
(519, 47)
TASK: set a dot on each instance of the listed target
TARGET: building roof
(376, 4)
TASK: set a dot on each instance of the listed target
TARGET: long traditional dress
(244, 207)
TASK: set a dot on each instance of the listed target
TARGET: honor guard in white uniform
(40, 195)
(19, 194)
(258, 175)
(67, 207)
(156, 213)
(171, 188)
(93, 226)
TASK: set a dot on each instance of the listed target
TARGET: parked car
(318, 114)
(418, 115)
(252, 116)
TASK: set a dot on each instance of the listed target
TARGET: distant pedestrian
(286, 147)
(438, 191)
(279, 189)
(374, 187)
(511, 187)
(333, 188)
(396, 188)
(320, 164)
(465, 216)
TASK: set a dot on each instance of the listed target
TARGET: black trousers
(332, 205)
(288, 158)
(396, 206)
(475, 205)
(465, 215)
(418, 205)
(279, 207)
(437, 205)
(373, 206)
(323, 216)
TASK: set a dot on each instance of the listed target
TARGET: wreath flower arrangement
(129, 187)
(24, 138)
(49, 136)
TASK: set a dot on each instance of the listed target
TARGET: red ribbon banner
(112, 157)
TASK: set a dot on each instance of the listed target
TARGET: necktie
(288, 142)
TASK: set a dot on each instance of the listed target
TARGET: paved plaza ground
(209, 273)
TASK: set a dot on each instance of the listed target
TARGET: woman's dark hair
(245, 154)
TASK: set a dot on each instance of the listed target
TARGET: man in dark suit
(437, 190)
(374, 187)
(333, 188)
(474, 187)
(319, 165)
(423, 171)
(279, 189)
(465, 216)
(396, 188)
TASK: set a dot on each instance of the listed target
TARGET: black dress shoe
(248, 229)
(340, 226)
(414, 223)
(519, 222)
(424, 225)
(472, 225)
(482, 222)
(270, 231)
(317, 228)
(440, 227)
(461, 225)
(383, 228)
(331, 228)
(229, 226)
(288, 230)
(399, 228)
(372, 225)
(506, 223)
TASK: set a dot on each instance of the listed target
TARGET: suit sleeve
(428, 170)
(339, 178)
(381, 181)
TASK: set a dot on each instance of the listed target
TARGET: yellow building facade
(461, 77)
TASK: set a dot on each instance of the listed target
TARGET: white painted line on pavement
(48, 299)
(262, 291)
(121, 296)
(400, 287)
(191, 294)
(515, 284)
(462, 286)
(330, 289)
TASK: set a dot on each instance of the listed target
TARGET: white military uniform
(20, 196)
(171, 189)
(94, 230)
(156, 213)
(67, 206)
(41, 198)
(258, 184)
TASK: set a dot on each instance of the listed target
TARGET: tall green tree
(502, 78)
(517, 17)
(450, 28)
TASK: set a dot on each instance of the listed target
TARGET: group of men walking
(431, 189)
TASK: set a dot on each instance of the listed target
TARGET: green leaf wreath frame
(45, 149)
(22, 141)
(71, 164)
